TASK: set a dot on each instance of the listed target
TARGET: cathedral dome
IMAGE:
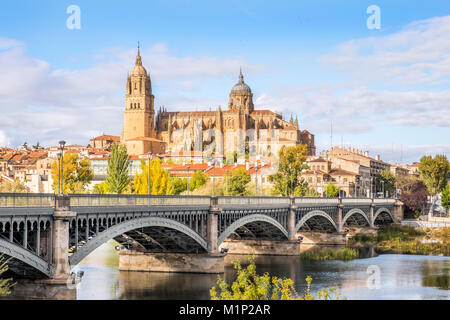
(241, 86)
(138, 69)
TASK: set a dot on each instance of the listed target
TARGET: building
(374, 165)
(241, 129)
(103, 142)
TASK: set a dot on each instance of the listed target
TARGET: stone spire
(296, 121)
(138, 57)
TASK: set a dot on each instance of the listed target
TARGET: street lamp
(226, 181)
(214, 176)
(149, 172)
(382, 186)
(290, 182)
(62, 143)
(187, 185)
(256, 179)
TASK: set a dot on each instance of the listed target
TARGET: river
(396, 276)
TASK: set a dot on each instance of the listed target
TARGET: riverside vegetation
(330, 254)
(251, 286)
(408, 240)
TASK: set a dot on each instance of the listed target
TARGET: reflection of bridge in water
(46, 234)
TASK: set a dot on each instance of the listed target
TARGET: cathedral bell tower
(139, 104)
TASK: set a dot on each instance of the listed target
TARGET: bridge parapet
(356, 201)
(135, 200)
(259, 201)
(19, 200)
(384, 201)
(316, 201)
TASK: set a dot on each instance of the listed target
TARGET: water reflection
(400, 277)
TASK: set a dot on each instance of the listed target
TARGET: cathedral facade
(237, 131)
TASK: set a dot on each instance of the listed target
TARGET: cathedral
(240, 131)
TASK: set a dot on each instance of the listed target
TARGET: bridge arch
(384, 211)
(249, 219)
(315, 213)
(353, 212)
(25, 256)
(130, 225)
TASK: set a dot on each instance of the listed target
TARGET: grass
(330, 254)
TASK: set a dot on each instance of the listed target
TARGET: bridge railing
(92, 200)
(356, 201)
(228, 200)
(18, 200)
(316, 200)
(383, 201)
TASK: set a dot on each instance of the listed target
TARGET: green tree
(5, 284)
(251, 286)
(160, 179)
(292, 161)
(385, 179)
(117, 180)
(197, 180)
(445, 198)
(37, 146)
(77, 174)
(238, 182)
(100, 188)
(434, 172)
(179, 185)
(332, 190)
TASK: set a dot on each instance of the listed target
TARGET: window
(319, 180)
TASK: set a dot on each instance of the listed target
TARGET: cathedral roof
(241, 86)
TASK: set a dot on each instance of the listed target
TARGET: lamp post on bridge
(187, 182)
(62, 143)
(214, 176)
(256, 179)
(226, 181)
(149, 173)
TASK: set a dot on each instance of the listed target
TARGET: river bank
(406, 240)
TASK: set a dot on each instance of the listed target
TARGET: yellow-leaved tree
(160, 179)
(251, 286)
(77, 173)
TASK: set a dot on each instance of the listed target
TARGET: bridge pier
(372, 214)
(132, 260)
(291, 220)
(339, 215)
(213, 230)
(263, 247)
(398, 211)
(59, 240)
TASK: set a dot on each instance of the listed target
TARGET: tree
(386, 181)
(5, 284)
(238, 182)
(197, 180)
(37, 146)
(251, 286)
(434, 172)
(332, 190)
(100, 188)
(179, 185)
(14, 187)
(445, 198)
(77, 173)
(291, 163)
(117, 180)
(414, 196)
(160, 179)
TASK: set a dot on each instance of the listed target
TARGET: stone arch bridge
(47, 234)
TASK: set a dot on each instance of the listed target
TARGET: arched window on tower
(139, 105)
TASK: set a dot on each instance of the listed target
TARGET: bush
(251, 286)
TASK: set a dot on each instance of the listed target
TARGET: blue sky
(385, 90)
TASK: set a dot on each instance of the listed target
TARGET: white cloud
(44, 104)
(418, 54)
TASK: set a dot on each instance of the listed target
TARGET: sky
(383, 90)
